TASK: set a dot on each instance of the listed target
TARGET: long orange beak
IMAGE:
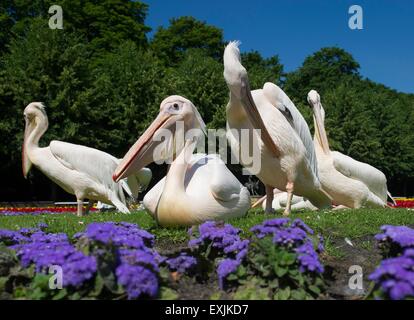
(320, 128)
(26, 163)
(257, 121)
(140, 154)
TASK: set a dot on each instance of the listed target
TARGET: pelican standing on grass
(197, 187)
(287, 155)
(349, 182)
(79, 170)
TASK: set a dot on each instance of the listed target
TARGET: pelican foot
(286, 213)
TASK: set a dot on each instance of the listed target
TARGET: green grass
(357, 225)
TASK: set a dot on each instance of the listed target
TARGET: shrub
(394, 277)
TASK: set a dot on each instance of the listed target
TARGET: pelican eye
(175, 106)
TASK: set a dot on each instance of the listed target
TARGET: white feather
(280, 100)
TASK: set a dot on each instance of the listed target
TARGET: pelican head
(234, 72)
(35, 117)
(314, 101)
(238, 83)
(173, 110)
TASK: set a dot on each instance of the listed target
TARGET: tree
(47, 66)
(322, 71)
(105, 24)
(122, 100)
(261, 69)
(199, 78)
(185, 33)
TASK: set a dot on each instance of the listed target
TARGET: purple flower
(223, 237)
(182, 263)
(308, 258)
(395, 276)
(137, 281)
(400, 235)
(139, 257)
(293, 236)
(121, 235)
(226, 267)
(289, 236)
(42, 226)
(300, 224)
(321, 246)
(269, 227)
(44, 250)
(400, 290)
(11, 237)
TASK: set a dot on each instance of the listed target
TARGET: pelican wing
(98, 165)
(373, 178)
(278, 98)
(224, 185)
(136, 182)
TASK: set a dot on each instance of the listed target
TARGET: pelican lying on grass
(287, 156)
(280, 202)
(350, 183)
(197, 187)
(79, 170)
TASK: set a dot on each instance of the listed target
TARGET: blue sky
(293, 29)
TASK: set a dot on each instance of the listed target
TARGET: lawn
(358, 226)
(348, 234)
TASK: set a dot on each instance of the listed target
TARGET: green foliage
(102, 83)
(261, 69)
(47, 66)
(104, 24)
(272, 272)
(115, 115)
(357, 225)
(199, 78)
(320, 71)
(185, 33)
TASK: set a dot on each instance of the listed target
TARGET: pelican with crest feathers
(79, 170)
(349, 182)
(197, 187)
(287, 155)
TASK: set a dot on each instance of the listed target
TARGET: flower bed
(394, 277)
(404, 203)
(278, 260)
(38, 210)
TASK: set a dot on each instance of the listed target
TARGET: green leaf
(168, 294)
(3, 281)
(98, 287)
(216, 296)
(61, 294)
(298, 294)
(314, 289)
(280, 272)
(282, 294)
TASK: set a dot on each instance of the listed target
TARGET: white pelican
(349, 182)
(280, 201)
(287, 155)
(79, 170)
(197, 187)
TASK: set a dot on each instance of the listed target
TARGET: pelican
(82, 171)
(287, 155)
(280, 201)
(349, 182)
(197, 187)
